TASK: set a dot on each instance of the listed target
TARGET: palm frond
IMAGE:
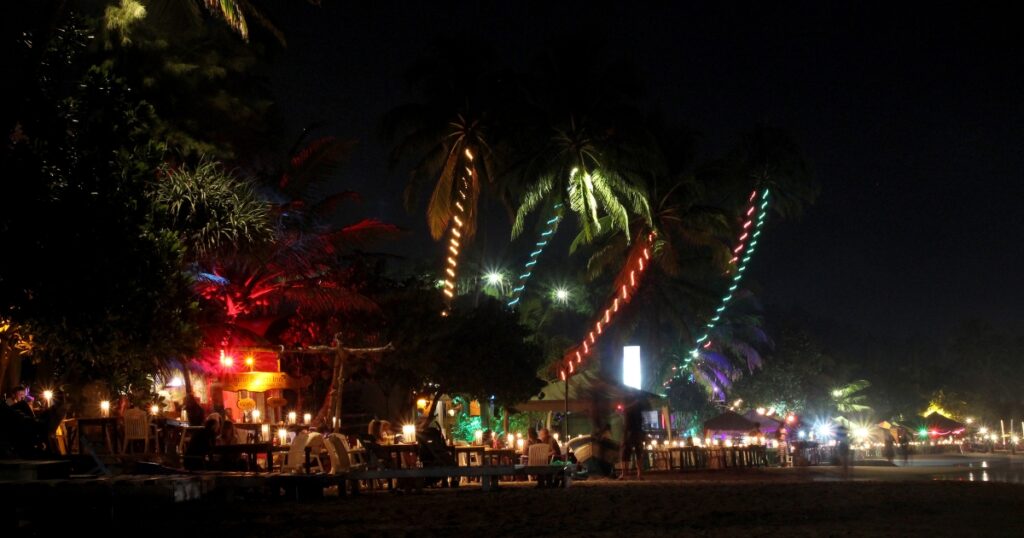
(232, 13)
(315, 163)
(439, 209)
(531, 199)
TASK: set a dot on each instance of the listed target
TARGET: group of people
(217, 430)
(25, 430)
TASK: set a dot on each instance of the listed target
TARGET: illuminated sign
(631, 375)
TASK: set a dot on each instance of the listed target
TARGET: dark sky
(912, 121)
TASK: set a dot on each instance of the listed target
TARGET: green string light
(747, 245)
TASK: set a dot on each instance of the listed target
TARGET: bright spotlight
(494, 278)
(860, 432)
(562, 295)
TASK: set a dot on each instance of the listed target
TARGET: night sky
(912, 122)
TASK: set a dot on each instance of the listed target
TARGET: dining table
(107, 425)
(252, 451)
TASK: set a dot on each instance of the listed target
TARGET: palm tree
(449, 136)
(583, 148)
(849, 398)
(693, 250)
(236, 14)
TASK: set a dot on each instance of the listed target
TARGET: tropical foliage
(95, 280)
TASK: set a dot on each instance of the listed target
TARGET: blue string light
(517, 292)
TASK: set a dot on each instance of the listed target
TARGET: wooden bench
(489, 475)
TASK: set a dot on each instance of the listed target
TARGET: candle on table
(48, 396)
(154, 410)
(307, 418)
(292, 416)
(282, 434)
(265, 433)
(105, 408)
(256, 415)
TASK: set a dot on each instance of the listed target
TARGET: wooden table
(182, 430)
(399, 452)
(499, 456)
(469, 450)
(107, 424)
(252, 450)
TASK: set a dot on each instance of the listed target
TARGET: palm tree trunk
(538, 248)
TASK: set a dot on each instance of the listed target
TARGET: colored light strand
(544, 239)
(756, 213)
(455, 240)
(626, 284)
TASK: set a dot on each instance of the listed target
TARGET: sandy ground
(794, 502)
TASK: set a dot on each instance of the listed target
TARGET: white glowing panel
(631, 376)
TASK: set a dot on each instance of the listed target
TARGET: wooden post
(565, 421)
(668, 421)
(339, 387)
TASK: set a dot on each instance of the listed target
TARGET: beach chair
(296, 459)
(337, 450)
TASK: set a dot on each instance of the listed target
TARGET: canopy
(764, 423)
(942, 425)
(587, 390)
(729, 422)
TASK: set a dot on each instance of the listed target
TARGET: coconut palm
(583, 145)
(849, 398)
(581, 148)
(766, 158)
(449, 137)
(449, 133)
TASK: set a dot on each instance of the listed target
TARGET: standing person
(633, 438)
(196, 414)
(890, 448)
(843, 449)
(905, 446)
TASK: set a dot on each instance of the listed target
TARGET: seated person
(200, 447)
(21, 401)
(229, 436)
(556, 455)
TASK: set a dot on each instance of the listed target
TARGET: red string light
(626, 283)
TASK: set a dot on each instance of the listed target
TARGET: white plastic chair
(337, 450)
(539, 454)
(296, 460)
(137, 428)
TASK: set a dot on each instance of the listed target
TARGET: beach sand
(793, 502)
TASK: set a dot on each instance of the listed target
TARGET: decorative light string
(545, 238)
(455, 241)
(626, 284)
(755, 215)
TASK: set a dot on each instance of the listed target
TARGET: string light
(545, 237)
(454, 243)
(629, 277)
(756, 213)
